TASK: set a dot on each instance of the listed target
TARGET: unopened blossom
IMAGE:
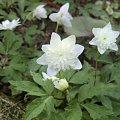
(61, 84)
(40, 12)
(7, 25)
(61, 54)
(48, 77)
(63, 16)
(105, 38)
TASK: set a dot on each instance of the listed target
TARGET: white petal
(45, 48)
(95, 31)
(43, 13)
(42, 60)
(45, 76)
(40, 6)
(114, 46)
(66, 21)
(68, 15)
(64, 8)
(108, 26)
(51, 71)
(79, 48)
(77, 64)
(71, 40)
(116, 33)
(55, 39)
(101, 50)
(54, 17)
(93, 41)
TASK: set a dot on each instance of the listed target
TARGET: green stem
(27, 16)
(56, 29)
(60, 74)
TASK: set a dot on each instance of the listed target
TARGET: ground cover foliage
(94, 90)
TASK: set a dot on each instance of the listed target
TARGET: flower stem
(56, 29)
(27, 16)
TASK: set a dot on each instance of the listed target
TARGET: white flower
(61, 84)
(63, 16)
(61, 55)
(105, 38)
(9, 25)
(48, 77)
(40, 12)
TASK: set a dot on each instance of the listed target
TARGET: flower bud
(61, 84)
(40, 12)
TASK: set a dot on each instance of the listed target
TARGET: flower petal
(95, 31)
(45, 76)
(108, 26)
(43, 13)
(55, 39)
(42, 60)
(64, 8)
(45, 48)
(66, 21)
(93, 41)
(116, 33)
(101, 50)
(114, 46)
(77, 64)
(79, 48)
(71, 40)
(51, 71)
(54, 17)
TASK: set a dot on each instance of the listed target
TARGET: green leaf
(83, 76)
(68, 74)
(82, 26)
(37, 106)
(2, 48)
(74, 112)
(105, 58)
(29, 87)
(47, 85)
(90, 90)
(34, 109)
(49, 105)
(97, 111)
(106, 102)
(116, 107)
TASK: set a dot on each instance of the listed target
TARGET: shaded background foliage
(88, 99)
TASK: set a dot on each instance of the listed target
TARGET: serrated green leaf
(83, 76)
(34, 109)
(37, 106)
(116, 107)
(74, 112)
(106, 102)
(2, 48)
(105, 58)
(89, 90)
(97, 111)
(29, 87)
(47, 85)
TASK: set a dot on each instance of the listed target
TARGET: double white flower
(105, 38)
(7, 25)
(40, 12)
(61, 55)
(60, 84)
(63, 16)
